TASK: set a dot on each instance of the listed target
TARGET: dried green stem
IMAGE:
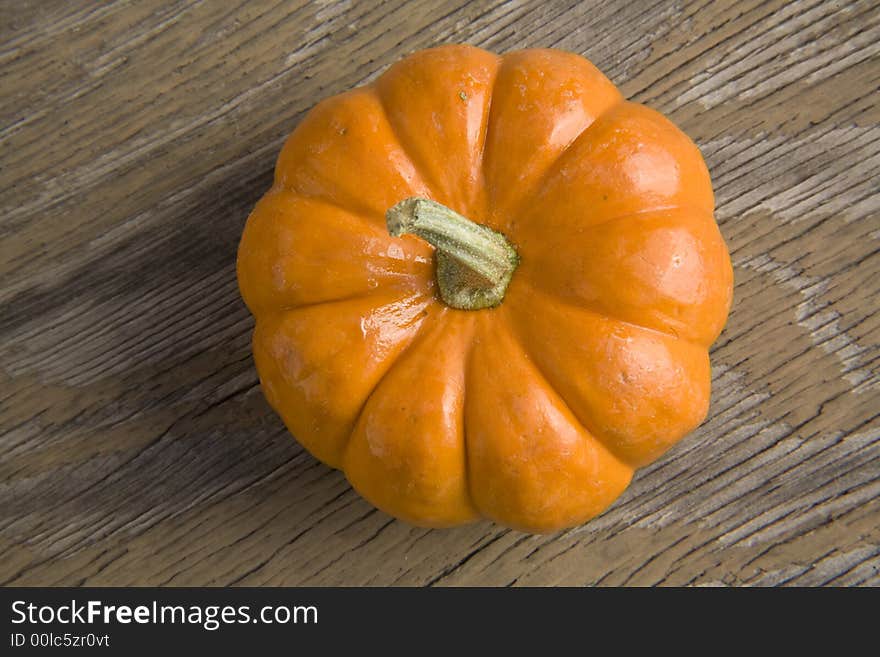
(474, 262)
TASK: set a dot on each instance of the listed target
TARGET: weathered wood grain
(135, 446)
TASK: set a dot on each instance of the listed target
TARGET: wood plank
(135, 445)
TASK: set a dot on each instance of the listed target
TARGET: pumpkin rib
(693, 359)
(417, 337)
(539, 96)
(283, 310)
(683, 307)
(487, 124)
(274, 275)
(457, 507)
(539, 372)
(553, 516)
(468, 480)
(603, 313)
(429, 300)
(345, 149)
(451, 77)
(419, 167)
(393, 361)
(633, 140)
(542, 179)
(479, 203)
(294, 361)
(361, 213)
(660, 208)
(376, 228)
(578, 137)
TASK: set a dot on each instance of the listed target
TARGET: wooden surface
(136, 446)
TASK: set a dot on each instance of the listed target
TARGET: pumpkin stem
(474, 262)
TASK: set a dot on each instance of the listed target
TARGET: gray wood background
(136, 447)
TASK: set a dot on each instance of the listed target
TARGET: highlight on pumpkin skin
(542, 100)
(667, 270)
(407, 452)
(630, 160)
(285, 259)
(319, 364)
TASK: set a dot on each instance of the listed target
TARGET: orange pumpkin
(486, 287)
